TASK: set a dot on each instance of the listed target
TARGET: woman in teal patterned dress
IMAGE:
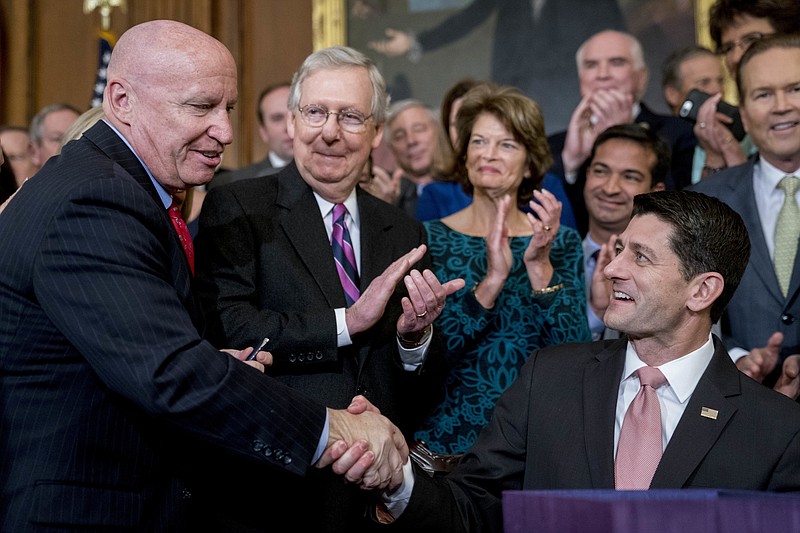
(524, 274)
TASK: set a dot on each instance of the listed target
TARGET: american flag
(105, 44)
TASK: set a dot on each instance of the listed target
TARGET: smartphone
(695, 99)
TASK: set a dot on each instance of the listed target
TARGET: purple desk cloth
(661, 511)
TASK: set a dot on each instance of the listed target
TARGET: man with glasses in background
(269, 265)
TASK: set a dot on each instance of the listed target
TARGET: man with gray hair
(46, 130)
(613, 77)
(312, 262)
(415, 138)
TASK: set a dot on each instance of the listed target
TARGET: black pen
(260, 347)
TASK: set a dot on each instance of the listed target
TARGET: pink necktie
(183, 233)
(344, 256)
(639, 449)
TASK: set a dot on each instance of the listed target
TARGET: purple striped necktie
(344, 256)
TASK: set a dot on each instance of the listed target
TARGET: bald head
(169, 91)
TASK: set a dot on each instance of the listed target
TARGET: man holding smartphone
(690, 77)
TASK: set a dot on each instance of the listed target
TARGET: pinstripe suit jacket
(758, 307)
(101, 362)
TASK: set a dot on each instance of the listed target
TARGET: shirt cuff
(342, 335)
(571, 177)
(323, 440)
(397, 501)
(413, 358)
(737, 353)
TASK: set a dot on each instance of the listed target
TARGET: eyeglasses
(349, 119)
(744, 43)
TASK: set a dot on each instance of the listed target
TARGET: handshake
(365, 447)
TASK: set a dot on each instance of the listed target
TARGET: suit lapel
(696, 433)
(305, 230)
(112, 145)
(107, 140)
(743, 201)
(600, 377)
(376, 253)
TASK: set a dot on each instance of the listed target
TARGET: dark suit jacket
(265, 268)
(259, 169)
(102, 364)
(758, 307)
(554, 429)
(677, 132)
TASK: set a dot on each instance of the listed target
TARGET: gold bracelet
(547, 290)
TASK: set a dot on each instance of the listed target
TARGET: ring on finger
(424, 313)
(547, 228)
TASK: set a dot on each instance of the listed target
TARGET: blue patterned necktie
(344, 256)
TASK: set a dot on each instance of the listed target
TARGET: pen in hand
(257, 349)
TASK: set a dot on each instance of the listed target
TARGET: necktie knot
(651, 377)
(339, 211)
(789, 185)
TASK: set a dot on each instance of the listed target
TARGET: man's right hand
(721, 147)
(595, 113)
(760, 362)
(377, 451)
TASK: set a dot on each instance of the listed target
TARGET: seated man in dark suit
(107, 385)
(269, 265)
(564, 424)
(613, 78)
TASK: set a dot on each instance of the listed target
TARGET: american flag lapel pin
(708, 412)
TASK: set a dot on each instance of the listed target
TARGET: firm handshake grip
(365, 447)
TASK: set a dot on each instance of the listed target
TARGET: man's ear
(673, 97)
(118, 101)
(376, 141)
(705, 288)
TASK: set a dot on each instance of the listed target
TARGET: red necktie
(183, 233)
(639, 449)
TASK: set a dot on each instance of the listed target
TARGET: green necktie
(787, 231)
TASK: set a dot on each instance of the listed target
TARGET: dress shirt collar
(768, 176)
(589, 248)
(276, 161)
(682, 373)
(166, 197)
(326, 208)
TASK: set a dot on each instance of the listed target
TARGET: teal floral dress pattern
(487, 347)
